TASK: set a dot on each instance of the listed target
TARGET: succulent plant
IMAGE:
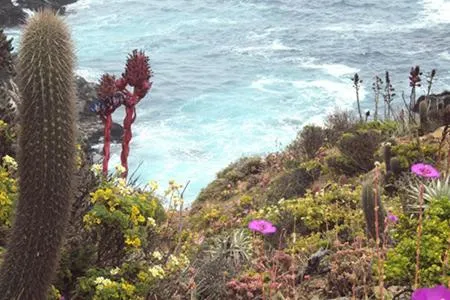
(370, 203)
(235, 247)
(113, 93)
(46, 158)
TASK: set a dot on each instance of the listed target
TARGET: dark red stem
(130, 115)
(107, 121)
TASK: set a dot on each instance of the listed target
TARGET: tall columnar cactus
(46, 158)
(396, 167)
(423, 115)
(369, 205)
(387, 155)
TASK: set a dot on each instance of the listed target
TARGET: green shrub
(222, 188)
(359, 148)
(336, 210)
(385, 128)
(288, 185)
(308, 142)
(400, 262)
(411, 153)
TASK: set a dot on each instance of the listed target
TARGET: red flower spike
(137, 70)
(107, 86)
(121, 83)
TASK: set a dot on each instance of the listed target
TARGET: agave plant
(235, 247)
(435, 189)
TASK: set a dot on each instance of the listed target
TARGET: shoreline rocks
(12, 12)
(90, 126)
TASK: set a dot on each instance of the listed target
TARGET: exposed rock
(435, 101)
(10, 15)
(90, 125)
(12, 12)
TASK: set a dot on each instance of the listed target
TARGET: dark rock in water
(90, 125)
(13, 14)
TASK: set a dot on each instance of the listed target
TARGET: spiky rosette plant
(46, 158)
(109, 99)
(137, 75)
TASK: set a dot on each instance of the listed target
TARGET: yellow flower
(9, 162)
(133, 242)
(128, 288)
(120, 169)
(157, 255)
(115, 271)
(151, 222)
(142, 276)
(96, 169)
(157, 272)
(153, 185)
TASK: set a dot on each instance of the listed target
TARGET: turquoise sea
(240, 77)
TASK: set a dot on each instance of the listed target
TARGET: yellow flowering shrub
(134, 279)
(8, 190)
(116, 205)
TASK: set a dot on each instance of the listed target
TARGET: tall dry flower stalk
(419, 236)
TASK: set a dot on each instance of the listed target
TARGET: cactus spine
(368, 204)
(46, 158)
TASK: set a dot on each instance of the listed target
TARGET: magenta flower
(439, 292)
(425, 170)
(262, 226)
(392, 218)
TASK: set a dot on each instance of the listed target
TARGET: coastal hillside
(357, 208)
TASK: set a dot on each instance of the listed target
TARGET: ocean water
(241, 77)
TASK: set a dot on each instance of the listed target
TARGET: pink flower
(425, 170)
(262, 226)
(439, 292)
(392, 218)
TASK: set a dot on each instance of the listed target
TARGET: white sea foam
(89, 74)
(79, 5)
(276, 45)
(337, 70)
(341, 92)
(263, 84)
(436, 11)
(445, 55)
(29, 12)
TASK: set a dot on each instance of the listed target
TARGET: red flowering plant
(113, 93)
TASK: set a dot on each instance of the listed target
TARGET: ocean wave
(445, 55)
(276, 45)
(264, 84)
(341, 92)
(337, 70)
